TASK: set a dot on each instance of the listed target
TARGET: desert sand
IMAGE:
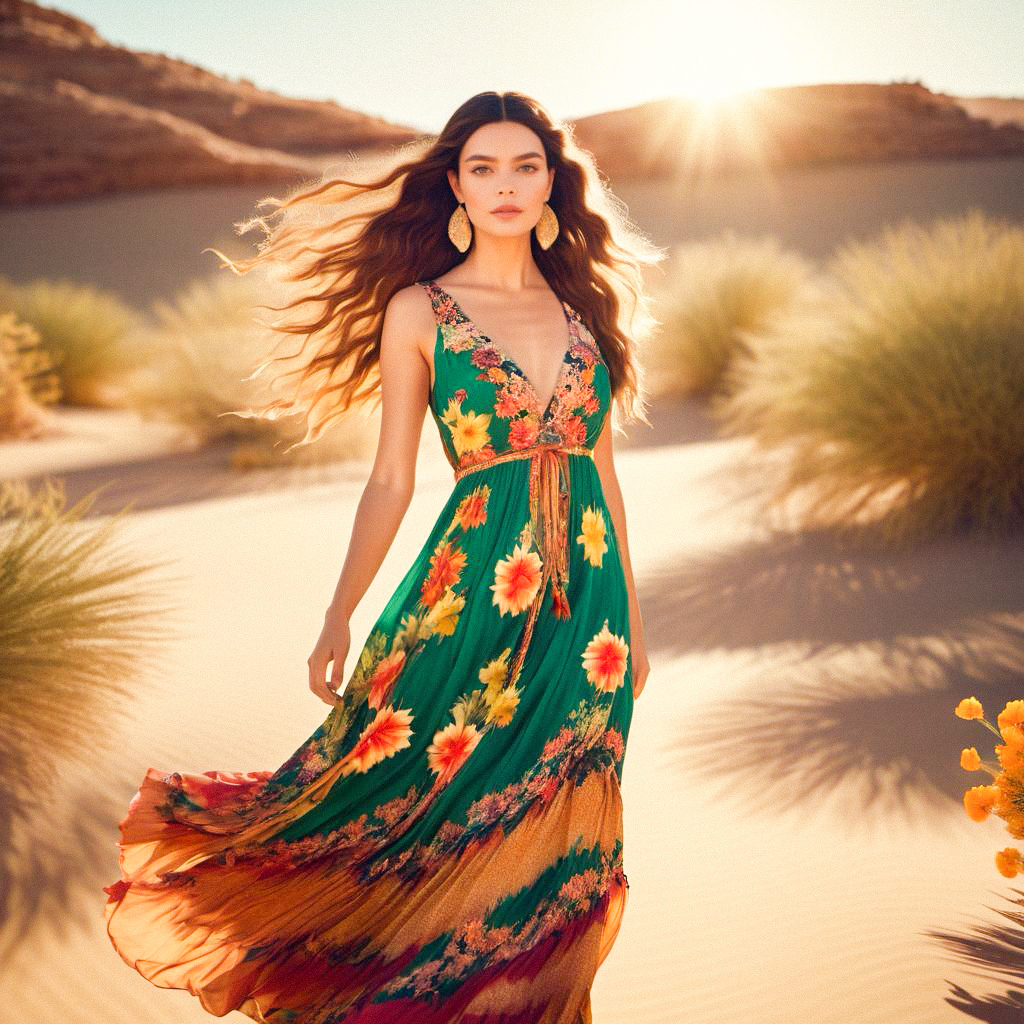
(795, 842)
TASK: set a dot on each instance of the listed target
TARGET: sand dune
(795, 842)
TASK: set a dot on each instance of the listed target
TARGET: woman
(447, 845)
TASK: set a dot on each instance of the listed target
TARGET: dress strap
(433, 289)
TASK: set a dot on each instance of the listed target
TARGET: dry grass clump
(714, 294)
(198, 357)
(896, 388)
(80, 620)
(28, 382)
(87, 332)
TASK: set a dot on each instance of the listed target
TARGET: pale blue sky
(414, 62)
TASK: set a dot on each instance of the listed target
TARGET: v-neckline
(480, 336)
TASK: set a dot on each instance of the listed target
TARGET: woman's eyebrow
(491, 159)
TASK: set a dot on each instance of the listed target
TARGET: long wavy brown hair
(348, 246)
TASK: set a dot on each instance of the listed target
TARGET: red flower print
(574, 430)
(446, 565)
(516, 580)
(384, 676)
(388, 733)
(451, 747)
(522, 433)
(605, 660)
(486, 356)
(472, 510)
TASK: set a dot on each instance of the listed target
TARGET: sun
(712, 92)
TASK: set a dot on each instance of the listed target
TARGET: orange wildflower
(979, 801)
(970, 707)
(1009, 862)
(970, 760)
(1009, 722)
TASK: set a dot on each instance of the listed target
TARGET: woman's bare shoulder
(409, 317)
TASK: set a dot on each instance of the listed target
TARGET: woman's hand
(641, 666)
(332, 646)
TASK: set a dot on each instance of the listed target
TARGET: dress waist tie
(549, 519)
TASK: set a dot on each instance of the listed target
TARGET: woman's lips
(507, 213)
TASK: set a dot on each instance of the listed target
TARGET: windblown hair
(393, 231)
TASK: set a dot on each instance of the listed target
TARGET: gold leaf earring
(547, 227)
(459, 229)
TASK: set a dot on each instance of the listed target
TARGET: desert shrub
(89, 334)
(27, 380)
(199, 356)
(80, 621)
(896, 388)
(714, 293)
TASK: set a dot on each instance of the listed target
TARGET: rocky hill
(997, 109)
(80, 117)
(798, 125)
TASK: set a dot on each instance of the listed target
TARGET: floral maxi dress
(446, 848)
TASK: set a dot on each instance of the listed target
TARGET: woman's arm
(603, 458)
(405, 381)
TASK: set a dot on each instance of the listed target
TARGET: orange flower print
(388, 733)
(472, 510)
(444, 615)
(574, 430)
(523, 432)
(605, 660)
(383, 678)
(592, 537)
(457, 337)
(452, 746)
(516, 580)
(468, 429)
(446, 565)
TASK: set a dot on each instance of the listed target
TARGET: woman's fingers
(317, 672)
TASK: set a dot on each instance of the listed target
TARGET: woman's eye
(481, 167)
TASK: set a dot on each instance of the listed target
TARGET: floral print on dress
(605, 659)
(592, 536)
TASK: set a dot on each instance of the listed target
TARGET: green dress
(447, 846)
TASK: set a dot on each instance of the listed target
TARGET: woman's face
(503, 164)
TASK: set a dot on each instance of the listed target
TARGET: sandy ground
(795, 840)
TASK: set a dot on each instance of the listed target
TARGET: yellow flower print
(502, 708)
(592, 537)
(410, 631)
(495, 673)
(444, 615)
(468, 429)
